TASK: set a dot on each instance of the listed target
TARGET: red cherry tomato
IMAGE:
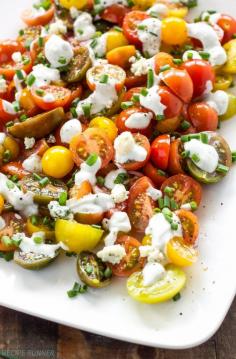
(60, 97)
(140, 204)
(43, 19)
(179, 82)
(203, 117)
(14, 168)
(157, 176)
(130, 23)
(129, 94)
(201, 72)
(134, 81)
(228, 25)
(175, 164)
(4, 115)
(160, 150)
(173, 103)
(115, 14)
(124, 116)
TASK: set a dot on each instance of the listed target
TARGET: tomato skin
(38, 20)
(14, 168)
(181, 253)
(152, 172)
(115, 14)
(130, 26)
(228, 25)
(200, 72)
(134, 81)
(27, 103)
(125, 114)
(57, 162)
(162, 59)
(140, 205)
(190, 225)
(175, 159)
(131, 245)
(160, 149)
(174, 31)
(135, 165)
(92, 140)
(173, 103)
(61, 95)
(179, 82)
(203, 117)
(4, 116)
(129, 94)
(13, 225)
(76, 92)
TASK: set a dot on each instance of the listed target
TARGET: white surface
(211, 283)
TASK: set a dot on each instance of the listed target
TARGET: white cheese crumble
(49, 98)
(126, 149)
(154, 193)
(207, 156)
(112, 254)
(57, 28)
(119, 193)
(51, 139)
(58, 211)
(58, 51)
(70, 129)
(83, 26)
(149, 33)
(29, 142)
(16, 57)
(160, 10)
(111, 177)
(33, 164)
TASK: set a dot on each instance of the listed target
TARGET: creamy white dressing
(2, 137)
(91, 203)
(58, 27)
(139, 120)
(126, 149)
(218, 100)
(70, 129)
(83, 26)
(49, 98)
(44, 75)
(2, 223)
(98, 46)
(107, 3)
(160, 10)
(150, 35)
(35, 12)
(160, 230)
(111, 177)
(141, 66)
(208, 87)
(119, 222)
(58, 51)
(152, 272)
(102, 98)
(193, 53)
(21, 201)
(58, 211)
(152, 101)
(207, 155)
(112, 254)
(209, 39)
(88, 173)
(19, 84)
(119, 193)
(3, 85)
(8, 107)
(33, 163)
(154, 193)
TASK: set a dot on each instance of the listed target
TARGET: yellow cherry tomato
(147, 240)
(76, 236)
(143, 4)
(39, 227)
(57, 162)
(181, 11)
(222, 82)
(180, 253)
(1, 203)
(231, 110)
(105, 124)
(160, 291)
(11, 145)
(79, 4)
(174, 31)
(230, 66)
(120, 55)
(115, 39)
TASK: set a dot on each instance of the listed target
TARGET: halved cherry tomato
(124, 116)
(179, 82)
(228, 25)
(5, 114)
(27, 103)
(76, 92)
(14, 223)
(134, 81)
(174, 31)
(184, 189)
(203, 117)
(8, 47)
(162, 59)
(40, 147)
(141, 140)
(173, 103)
(140, 204)
(115, 14)
(129, 94)
(32, 20)
(160, 149)
(120, 55)
(175, 165)
(58, 97)
(130, 23)
(79, 191)
(97, 74)
(132, 262)
(180, 253)
(168, 125)
(202, 75)
(14, 168)
(190, 225)
(157, 176)
(92, 140)
(105, 124)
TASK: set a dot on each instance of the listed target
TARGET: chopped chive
(39, 92)
(36, 177)
(97, 34)
(7, 156)
(177, 62)
(117, 28)
(160, 203)
(190, 55)
(107, 272)
(62, 60)
(73, 111)
(204, 138)
(77, 289)
(174, 226)
(16, 106)
(89, 269)
(173, 204)
(21, 32)
(7, 241)
(160, 117)
(188, 47)
(34, 220)
(184, 138)
(30, 80)
(156, 210)
(185, 154)
(167, 212)
(195, 136)
(164, 68)
(154, 14)
(9, 123)
(211, 12)
(135, 98)
(144, 92)
(142, 27)
(80, 31)
(93, 43)
(10, 184)
(92, 159)
(100, 181)
(86, 109)
(38, 240)
(204, 55)
(195, 157)
(25, 60)
(150, 78)
(104, 79)
(44, 181)
(40, 41)
(62, 198)
(161, 173)
(130, 3)
(234, 156)
(121, 178)
(125, 105)
(185, 125)
(19, 75)
(169, 190)
(176, 297)
(193, 205)
(23, 117)
(222, 168)
(166, 201)
(14, 178)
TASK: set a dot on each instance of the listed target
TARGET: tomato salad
(110, 114)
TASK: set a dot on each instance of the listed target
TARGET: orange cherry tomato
(27, 103)
(4, 115)
(39, 149)
(140, 204)
(92, 140)
(179, 82)
(125, 114)
(228, 25)
(157, 176)
(130, 23)
(129, 94)
(14, 168)
(14, 223)
(190, 225)
(175, 164)
(203, 117)
(115, 14)
(173, 103)
(134, 81)
(57, 97)
(169, 125)
(184, 189)
(160, 150)
(162, 59)
(31, 20)
(79, 191)
(132, 262)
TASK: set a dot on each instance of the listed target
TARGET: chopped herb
(8, 256)
(135, 98)
(80, 31)
(21, 32)
(7, 156)
(62, 60)
(150, 78)
(14, 178)
(156, 210)
(36, 177)
(161, 173)
(177, 61)
(188, 47)
(34, 220)
(193, 205)
(184, 138)
(195, 157)
(104, 79)
(38, 240)
(173, 204)
(19, 74)
(44, 181)
(40, 41)
(160, 117)
(142, 27)
(185, 125)
(154, 14)
(174, 226)
(185, 154)
(222, 168)
(7, 241)
(23, 117)
(125, 105)
(160, 203)
(40, 92)
(176, 297)
(89, 269)
(166, 201)
(45, 4)
(190, 55)
(25, 60)
(73, 111)
(10, 184)
(234, 156)
(211, 12)
(93, 43)
(117, 28)
(204, 55)
(121, 178)
(189, 3)
(77, 289)
(107, 272)
(100, 181)
(62, 198)
(204, 137)
(130, 3)
(30, 80)
(16, 106)
(164, 68)
(169, 190)
(9, 123)
(92, 159)
(86, 109)
(144, 92)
